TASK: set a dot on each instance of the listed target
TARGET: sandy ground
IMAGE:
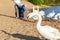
(12, 28)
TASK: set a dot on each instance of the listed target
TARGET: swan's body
(50, 15)
(46, 31)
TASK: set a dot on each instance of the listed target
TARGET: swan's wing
(53, 30)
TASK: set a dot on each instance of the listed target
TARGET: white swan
(46, 31)
(50, 15)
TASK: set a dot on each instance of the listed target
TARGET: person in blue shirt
(21, 10)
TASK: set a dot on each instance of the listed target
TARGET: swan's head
(33, 15)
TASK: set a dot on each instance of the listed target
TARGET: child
(16, 2)
(21, 10)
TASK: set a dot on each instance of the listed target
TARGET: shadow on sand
(20, 36)
(15, 17)
(7, 16)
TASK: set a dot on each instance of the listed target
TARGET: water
(55, 8)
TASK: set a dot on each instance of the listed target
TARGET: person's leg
(16, 11)
(21, 11)
(21, 15)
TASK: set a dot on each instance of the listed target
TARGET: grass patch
(45, 2)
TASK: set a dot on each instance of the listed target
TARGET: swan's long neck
(39, 21)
